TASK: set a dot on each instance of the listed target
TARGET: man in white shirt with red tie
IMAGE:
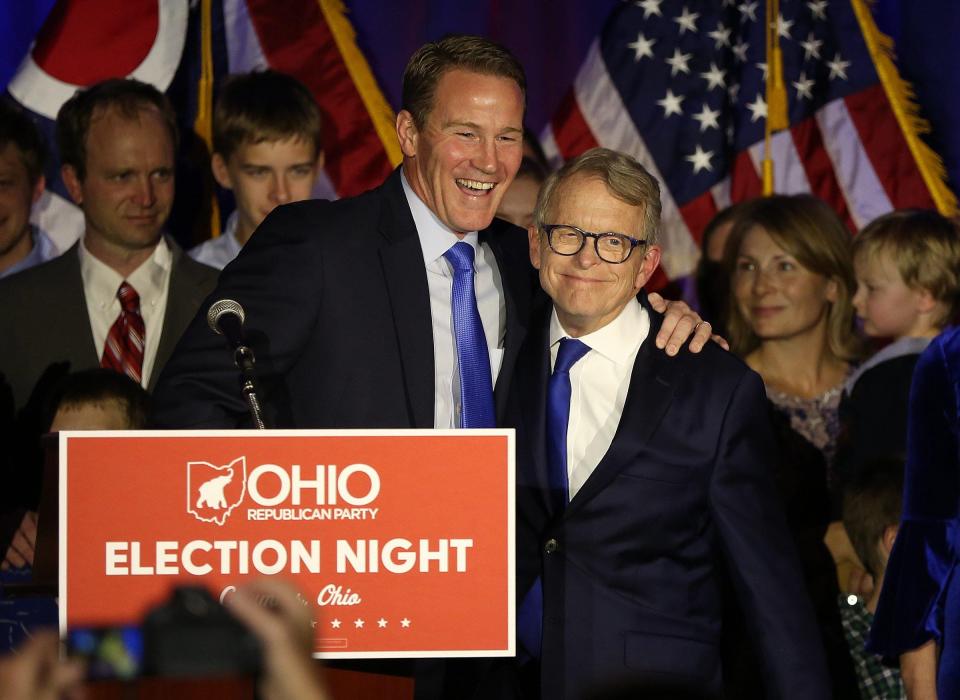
(117, 144)
(641, 478)
(122, 296)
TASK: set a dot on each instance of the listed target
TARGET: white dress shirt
(150, 280)
(435, 240)
(598, 387)
(219, 251)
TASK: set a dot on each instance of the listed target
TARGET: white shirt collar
(435, 237)
(619, 340)
(100, 281)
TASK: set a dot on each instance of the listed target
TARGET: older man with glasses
(641, 478)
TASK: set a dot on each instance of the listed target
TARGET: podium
(400, 542)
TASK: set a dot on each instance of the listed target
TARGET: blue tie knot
(461, 257)
(569, 353)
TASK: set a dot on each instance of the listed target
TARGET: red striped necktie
(123, 350)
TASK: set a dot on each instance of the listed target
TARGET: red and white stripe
(852, 154)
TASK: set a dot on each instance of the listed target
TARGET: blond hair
(925, 248)
(809, 230)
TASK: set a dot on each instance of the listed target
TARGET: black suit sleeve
(761, 560)
(277, 279)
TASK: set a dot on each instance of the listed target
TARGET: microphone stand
(244, 359)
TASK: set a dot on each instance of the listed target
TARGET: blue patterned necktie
(558, 415)
(473, 360)
(530, 614)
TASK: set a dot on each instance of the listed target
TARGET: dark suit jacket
(44, 333)
(338, 315)
(631, 569)
(43, 317)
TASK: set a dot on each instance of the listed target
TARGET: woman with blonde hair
(790, 318)
(791, 312)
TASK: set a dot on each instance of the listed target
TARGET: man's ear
(38, 187)
(533, 238)
(70, 180)
(651, 259)
(407, 133)
(888, 537)
(220, 171)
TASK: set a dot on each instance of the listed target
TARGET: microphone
(225, 318)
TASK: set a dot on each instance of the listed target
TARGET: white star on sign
(804, 87)
(381, 623)
(335, 623)
(650, 7)
(748, 10)
(687, 20)
(721, 35)
(740, 50)
(763, 67)
(700, 160)
(715, 77)
(758, 108)
(671, 103)
(678, 62)
(358, 623)
(783, 26)
(838, 67)
(707, 118)
(642, 46)
(811, 47)
(404, 622)
(818, 8)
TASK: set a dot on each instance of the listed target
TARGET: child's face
(887, 306)
(264, 175)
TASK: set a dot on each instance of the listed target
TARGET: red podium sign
(401, 542)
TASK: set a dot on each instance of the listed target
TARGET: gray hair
(624, 177)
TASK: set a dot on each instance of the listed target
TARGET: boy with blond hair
(907, 265)
(266, 150)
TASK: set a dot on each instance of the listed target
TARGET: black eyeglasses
(564, 239)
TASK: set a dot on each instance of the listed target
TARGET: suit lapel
(533, 375)
(409, 295)
(74, 323)
(649, 396)
(186, 291)
(515, 276)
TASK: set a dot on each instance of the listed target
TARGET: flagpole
(777, 118)
(203, 123)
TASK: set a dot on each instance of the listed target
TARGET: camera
(189, 636)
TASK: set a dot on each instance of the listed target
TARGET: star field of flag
(692, 76)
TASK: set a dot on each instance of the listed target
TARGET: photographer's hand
(284, 628)
(35, 672)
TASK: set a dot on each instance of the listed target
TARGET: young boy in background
(907, 265)
(266, 149)
(871, 515)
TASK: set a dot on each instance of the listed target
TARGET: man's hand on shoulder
(679, 323)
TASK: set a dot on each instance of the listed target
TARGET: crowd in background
(833, 321)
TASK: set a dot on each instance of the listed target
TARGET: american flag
(680, 85)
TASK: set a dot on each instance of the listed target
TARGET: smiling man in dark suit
(641, 477)
(353, 307)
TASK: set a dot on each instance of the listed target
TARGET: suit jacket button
(551, 546)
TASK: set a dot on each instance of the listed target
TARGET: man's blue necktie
(473, 360)
(558, 416)
(530, 614)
